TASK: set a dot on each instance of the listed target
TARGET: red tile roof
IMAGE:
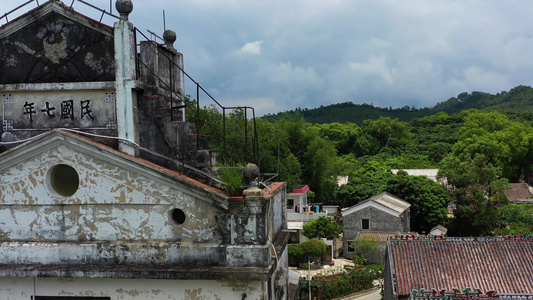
(488, 264)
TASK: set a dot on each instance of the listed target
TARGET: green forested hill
(517, 102)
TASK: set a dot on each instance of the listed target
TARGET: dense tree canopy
(429, 201)
(322, 227)
(487, 154)
(479, 152)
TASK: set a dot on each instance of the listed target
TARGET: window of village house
(350, 246)
(365, 224)
(290, 203)
(64, 180)
(69, 298)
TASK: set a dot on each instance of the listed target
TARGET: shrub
(309, 250)
(314, 249)
(366, 249)
(232, 177)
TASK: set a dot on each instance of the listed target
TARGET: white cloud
(261, 106)
(253, 48)
(375, 66)
(515, 50)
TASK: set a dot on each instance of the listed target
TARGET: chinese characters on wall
(76, 109)
(66, 110)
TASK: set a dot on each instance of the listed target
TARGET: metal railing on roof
(199, 89)
(17, 8)
(103, 11)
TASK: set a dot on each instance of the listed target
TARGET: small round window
(177, 216)
(64, 180)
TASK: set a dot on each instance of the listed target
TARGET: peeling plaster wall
(279, 207)
(113, 203)
(17, 288)
(280, 278)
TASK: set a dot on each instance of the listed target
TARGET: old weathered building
(96, 195)
(381, 215)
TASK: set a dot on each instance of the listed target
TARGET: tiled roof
(376, 236)
(383, 201)
(519, 192)
(488, 264)
(391, 202)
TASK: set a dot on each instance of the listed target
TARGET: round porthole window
(177, 216)
(64, 180)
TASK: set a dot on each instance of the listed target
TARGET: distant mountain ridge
(518, 100)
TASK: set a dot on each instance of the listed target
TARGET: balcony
(304, 217)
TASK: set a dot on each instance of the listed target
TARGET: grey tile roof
(519, 192)
(391, 202)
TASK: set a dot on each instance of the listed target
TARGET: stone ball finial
(170, 37)
(251, 172)
(124, 7)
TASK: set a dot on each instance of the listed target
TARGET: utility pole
(309, 277)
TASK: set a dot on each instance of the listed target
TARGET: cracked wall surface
(50, 46)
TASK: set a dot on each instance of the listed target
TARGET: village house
(300, 211)
(97, 174)
(376, 218)
(437, 267)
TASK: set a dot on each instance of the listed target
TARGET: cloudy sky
(277, 55)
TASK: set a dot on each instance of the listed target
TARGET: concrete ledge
(107, 253)
(57, 86)
(248, 255)
(134, 272)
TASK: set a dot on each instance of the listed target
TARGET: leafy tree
(311, 250)
(516, 219)
(343, 136)
(321, 167)
(366, 249)
(370, 179)
(437, 151)
(429, 200)
(384, 128)
(314, 249)
(355, 280)
(475, 169)
(273, 146)
(337, 287)
(302, 155)
(322, 227)
(291, 171)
